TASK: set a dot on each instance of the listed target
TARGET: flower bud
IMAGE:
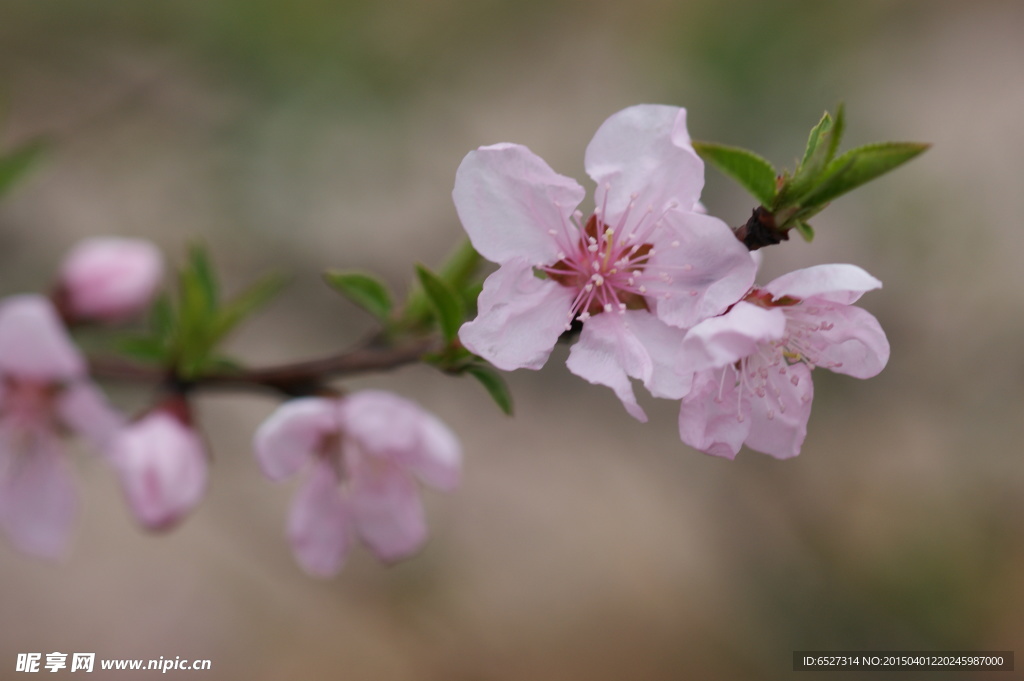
(109, 278)
(162, 465)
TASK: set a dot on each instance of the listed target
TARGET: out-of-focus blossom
(109, 278)
(646, 264)
(364, 452)
(162, 464)
(753, 364)
(43, 390)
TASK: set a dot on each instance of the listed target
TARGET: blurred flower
(43, 388)
(109, 278)
(753, 364)
(364, 451)
(646, 264)
(162, 465)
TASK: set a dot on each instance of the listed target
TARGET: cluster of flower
(365, 449)
(660, 291)
(664, 293)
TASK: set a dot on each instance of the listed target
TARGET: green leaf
(459, 271)
(815, 138)
(470, 294)
(754, 173)
(197, 312)
(821, 148)
(200, 269)
(805, 230)
(16, 163)
(824, 140)
(461, 266)
(161, 318)
(245, 304)
(364, 290)
(144, 348)
(835, 135)
(494, 384)
(861, 165)
(446, 303)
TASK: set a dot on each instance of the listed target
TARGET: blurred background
(302, 135)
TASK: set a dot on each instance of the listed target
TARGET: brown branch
(296, 379)
(760, 230)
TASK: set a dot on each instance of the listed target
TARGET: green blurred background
(311, 134)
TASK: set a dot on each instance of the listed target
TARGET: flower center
(28, 403)
(603, 268)
(760, 374)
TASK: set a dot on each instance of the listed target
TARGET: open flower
(752, 365)
(365, 451)
(643, 266)
(162, 464)
(109, 278)
(44, 390)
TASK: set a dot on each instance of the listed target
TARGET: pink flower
(162, 465)
(43, 389)
(645, 265)
(109, 278)
(753, 364)
(364, 451)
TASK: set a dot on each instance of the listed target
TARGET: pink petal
(710, 268)
(520, 318)
(33, 342)
(387, 510)
(111, 278)
(857, 342)
(608, 353)
(783, 434)
(390, 427)
(643, 155)
(162, 466)
(84, 409)
(842, 284)
(662, 343)
(319, 525)
(708, 419)
(512, 204)
(38, 501)
(293, 434)
(720, 341)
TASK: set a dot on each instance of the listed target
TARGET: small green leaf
(459, 271)
(245, 304)
(470, 294)
(821, 148)
(805, 230)
(448, 307)
(200, 269)
(823, 142)
(494, 384)
(161, 317)
(364, 290)
(835, 135)
(144, 348)
(754, 173)
(814, 139)
(14, 164)
(861, 165)
(461, 266)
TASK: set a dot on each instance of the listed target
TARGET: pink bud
(162, 464)
(109, 278)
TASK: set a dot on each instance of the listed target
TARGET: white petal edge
(837, 283)
(520, 318)
(643, 155)
(513, 205)
(290, 436)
